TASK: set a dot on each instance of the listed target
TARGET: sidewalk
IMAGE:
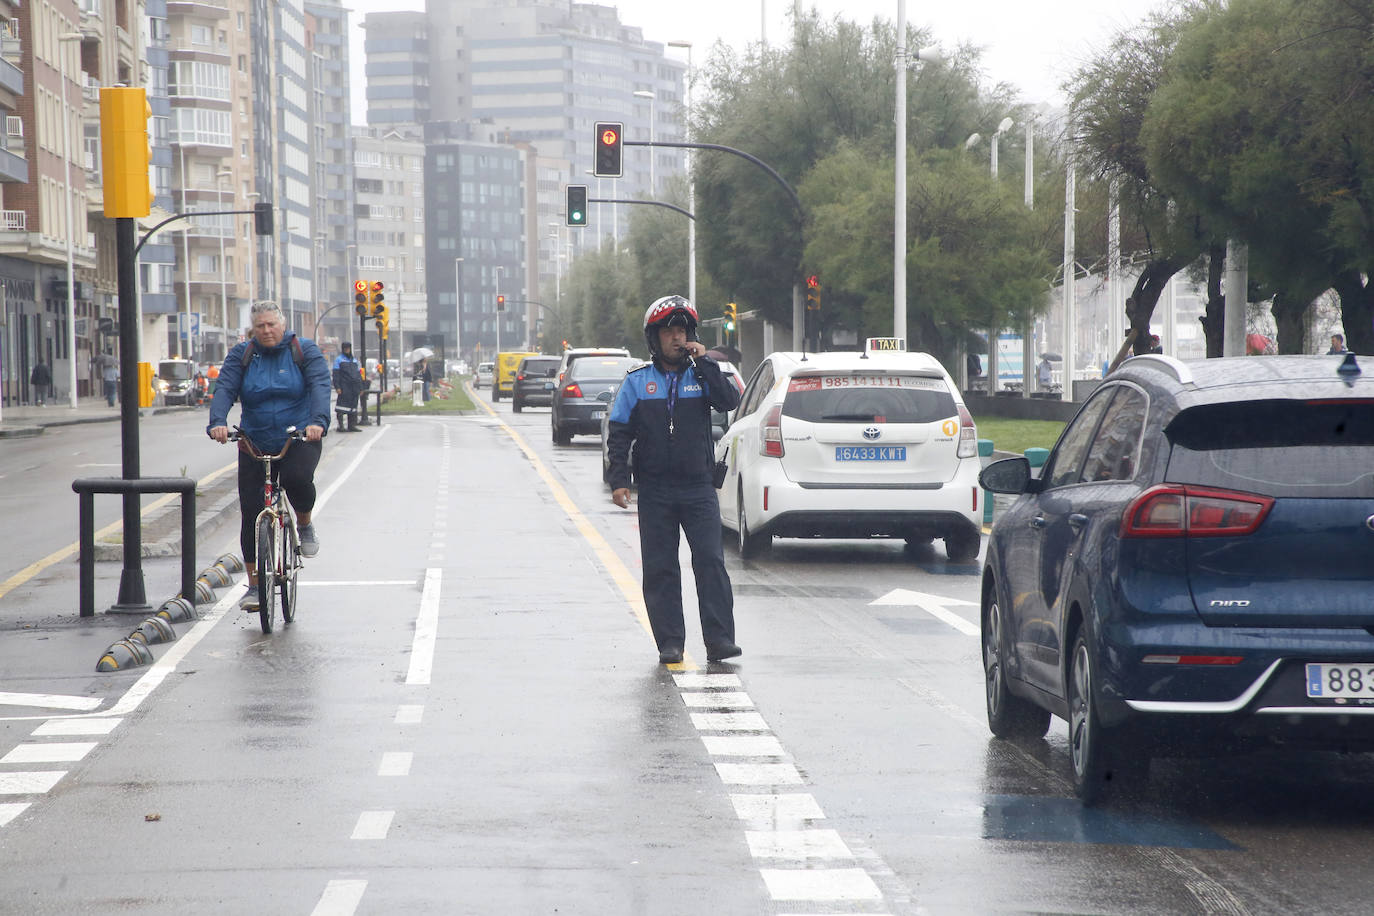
(31, 421)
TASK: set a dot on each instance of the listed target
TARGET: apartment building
(389, 217)
(332, 179)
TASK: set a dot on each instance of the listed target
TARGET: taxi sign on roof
(895, 344)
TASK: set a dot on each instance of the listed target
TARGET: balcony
(13, 220)
(13, 168)
(204, 9)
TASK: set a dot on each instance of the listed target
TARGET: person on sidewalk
(109, 377)
(348, 384)
(280, 380)
(663, 410)
(41, 380)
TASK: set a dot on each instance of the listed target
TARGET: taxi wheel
(960, 548)
(749, 544)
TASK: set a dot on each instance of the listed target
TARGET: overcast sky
(1032, 44)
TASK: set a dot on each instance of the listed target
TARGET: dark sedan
(1190, 572)
(534, 382)
(585, 395)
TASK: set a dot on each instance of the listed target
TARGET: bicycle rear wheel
(291, 564)
(268, 554)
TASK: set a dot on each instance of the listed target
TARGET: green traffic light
(577, 216)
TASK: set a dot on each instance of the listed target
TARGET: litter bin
(417, 392)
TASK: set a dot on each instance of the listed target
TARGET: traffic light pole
(362, 361)
(133, 597)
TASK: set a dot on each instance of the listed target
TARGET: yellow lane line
(36, 567)
(619, 572)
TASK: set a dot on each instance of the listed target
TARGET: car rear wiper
(860, 417)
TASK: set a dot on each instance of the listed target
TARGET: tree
(1111, 96)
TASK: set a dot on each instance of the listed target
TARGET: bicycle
(278, 543)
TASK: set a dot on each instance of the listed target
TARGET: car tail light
(772, 433)
(520, 377)
(968, 434)
(572, 391)
(1174, 511)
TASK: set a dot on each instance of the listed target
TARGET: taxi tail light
(572, 391)
(1175, 511)
(968, 434)
(772, 433)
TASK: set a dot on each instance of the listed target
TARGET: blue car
(1193, 568)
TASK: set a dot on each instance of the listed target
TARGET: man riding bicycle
(281, 381)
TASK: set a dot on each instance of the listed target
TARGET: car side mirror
(1008, 476)
(548, 386)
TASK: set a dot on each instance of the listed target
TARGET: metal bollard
(1037, 457)
(985, 459)
(417, 392)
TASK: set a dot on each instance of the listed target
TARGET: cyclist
(663, 409)
(280, 380)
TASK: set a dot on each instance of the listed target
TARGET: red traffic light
(360, 286)
(377, 286)
(609, 136)
(813, 281)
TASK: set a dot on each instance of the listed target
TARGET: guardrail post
(86, 548)
(130, 489)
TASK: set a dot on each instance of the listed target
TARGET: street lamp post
(253, 266)
(457, 308)
(223, 268)
(64, 38)
(1002, 128)
(691, 182)
(653, 117)
(899, 218)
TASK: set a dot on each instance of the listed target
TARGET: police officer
(663, 410)
(348, 384)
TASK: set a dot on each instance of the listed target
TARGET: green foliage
(1009, 435)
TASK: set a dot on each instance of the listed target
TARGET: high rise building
(292, 167)
(397, 48)
(389, 214)
(335, 242)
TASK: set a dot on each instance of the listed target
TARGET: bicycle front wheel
(268, 553)
(291, 564)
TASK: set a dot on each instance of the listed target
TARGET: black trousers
(694, 509)
(295, 472)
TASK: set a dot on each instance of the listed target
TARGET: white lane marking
(49, 701)
(49, 752)
(340, 898)
(934, 605)
(777, 809)
(426, 630)
(32, 782)
(758, 774)
(11, 810)
(717, 700)
(729, 722)
(395, 763)
(54, 727)
(372, 825)
(409, 715)
(706, 681)
(351, 583)
(797, 844)
(742, 745)
(836, 884)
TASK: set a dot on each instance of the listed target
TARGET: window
(1064, 464)
(1115, 452)
(202, 35)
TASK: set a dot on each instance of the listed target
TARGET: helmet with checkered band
(665, 312)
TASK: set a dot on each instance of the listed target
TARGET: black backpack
(297, 352)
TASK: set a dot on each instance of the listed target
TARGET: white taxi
(852, 445)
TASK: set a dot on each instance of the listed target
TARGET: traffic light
(500, 303)
(378, 301)
(126, 152)
(360, 298)
(262, 218)
(731, 316)
(609, 136)
(577, 205)
(813, 293)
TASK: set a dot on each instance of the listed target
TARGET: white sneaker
(310, 544)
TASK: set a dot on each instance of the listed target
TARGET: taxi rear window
(868, 399)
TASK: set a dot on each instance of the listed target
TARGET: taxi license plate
(870, 453)
(598, 414)
(1328, 681)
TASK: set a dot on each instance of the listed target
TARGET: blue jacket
(673, 454)
(274, 392)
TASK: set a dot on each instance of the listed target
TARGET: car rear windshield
(876, 399)
(1315, 449)
(174, 370)
(540, 367)
(602, 368)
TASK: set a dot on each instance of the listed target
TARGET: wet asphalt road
(468, 717)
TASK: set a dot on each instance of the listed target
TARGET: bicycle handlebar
(292, 435)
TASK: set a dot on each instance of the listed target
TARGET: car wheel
(1009, 716)
(749, 544)
(516, 404)
(1102, 764)
(560, 436)
(495, 394)
(960, 548)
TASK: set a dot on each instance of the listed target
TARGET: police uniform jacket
(670, 446)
